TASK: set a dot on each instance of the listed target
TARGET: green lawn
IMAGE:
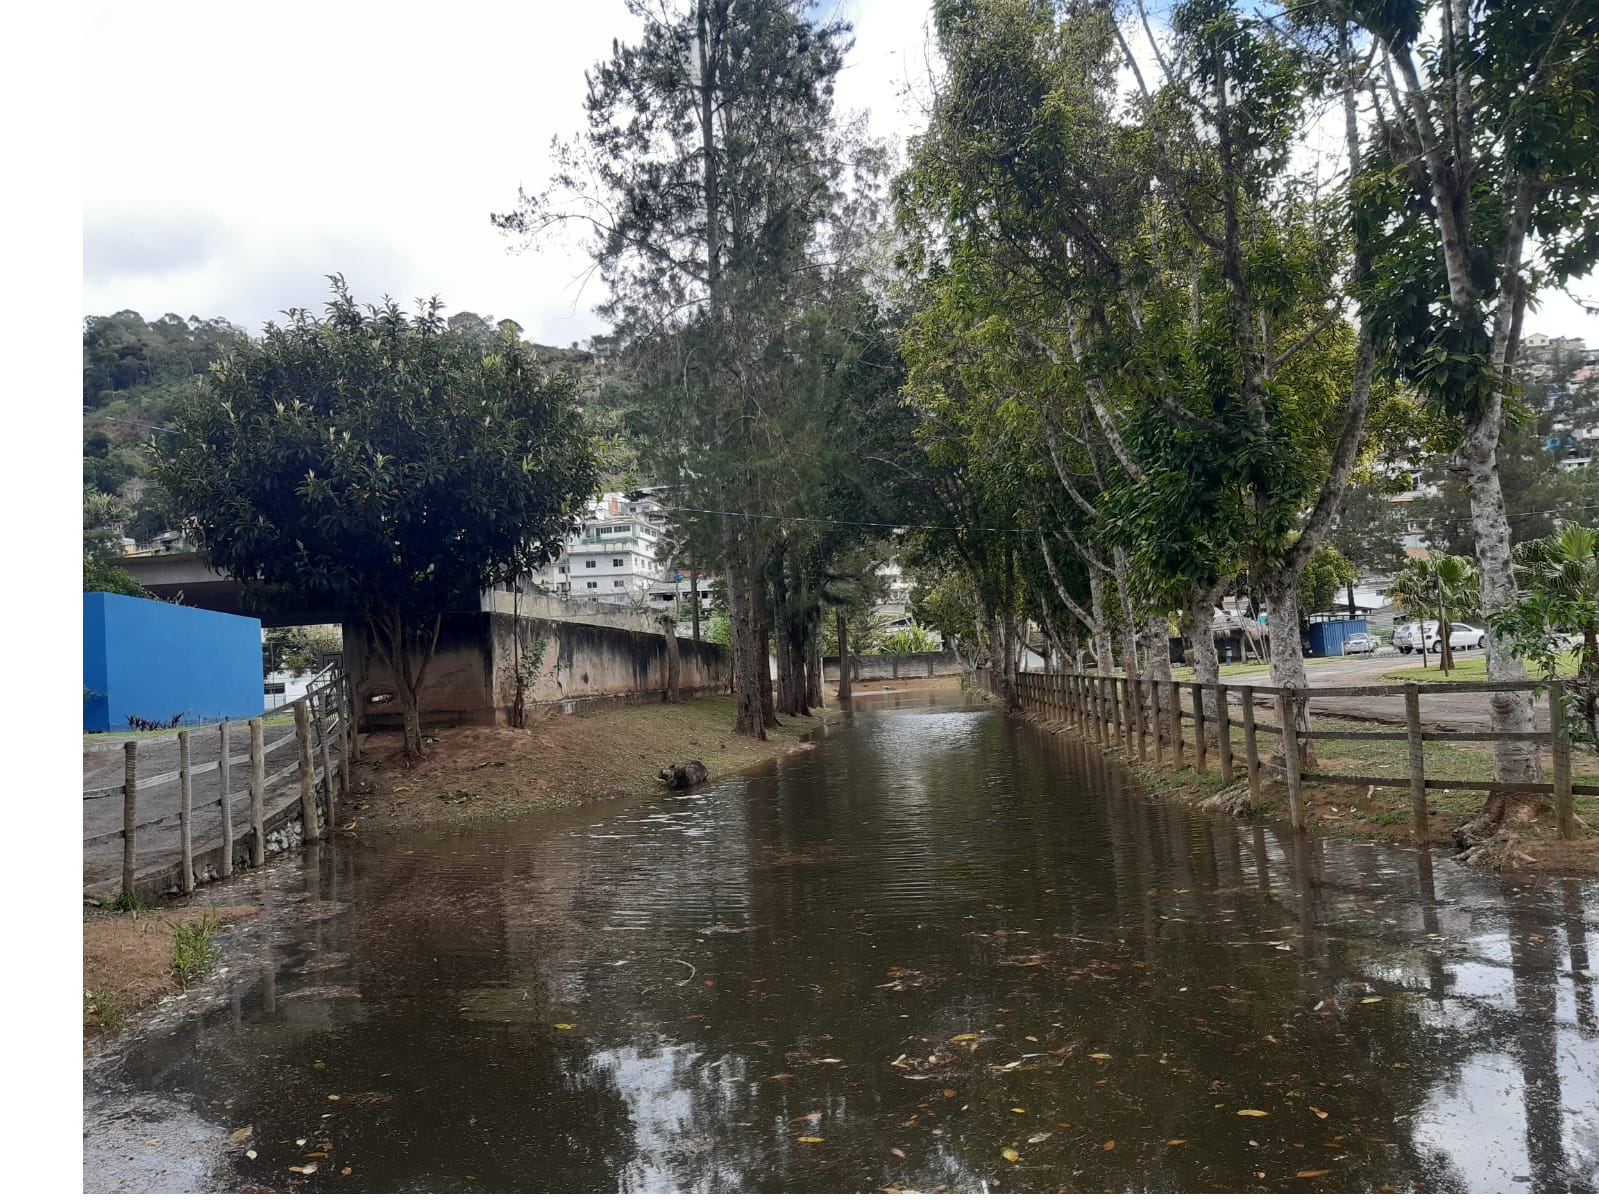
(1249, 668)
(1466, 671)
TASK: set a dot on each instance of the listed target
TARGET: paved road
(1467, 712)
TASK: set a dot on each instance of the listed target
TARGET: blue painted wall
(147, 659)
(1327, 637)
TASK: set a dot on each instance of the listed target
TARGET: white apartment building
(620, 557)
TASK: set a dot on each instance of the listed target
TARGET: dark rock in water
(690, 774)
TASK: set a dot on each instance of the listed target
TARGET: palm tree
(1444, 585)
(1565, 566)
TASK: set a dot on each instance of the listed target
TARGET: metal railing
(1140, 715)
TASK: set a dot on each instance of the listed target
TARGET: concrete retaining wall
(472, 679)
(896, 666)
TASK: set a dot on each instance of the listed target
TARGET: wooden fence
(1172, 721)
(320, 762)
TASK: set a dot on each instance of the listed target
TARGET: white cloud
(236, 154)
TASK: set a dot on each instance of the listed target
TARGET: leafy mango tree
(378, 464)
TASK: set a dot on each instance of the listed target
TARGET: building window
(588, 562)
(616, 583)
(616, 562)
(594, 583)
(562, 570)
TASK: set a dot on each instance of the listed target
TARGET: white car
(1466, 637)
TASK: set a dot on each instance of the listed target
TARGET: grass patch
(1471, 670)
(129, 903)
(1186, 674)
(193, 953)
(101, 1009)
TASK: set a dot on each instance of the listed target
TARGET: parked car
(1410, 636)
(1360, 643)
(1467, 637)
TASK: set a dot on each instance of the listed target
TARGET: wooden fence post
(1196, 692)
(130, 811)
(1156, 724)
(185, 800)
(1137, 685)
(1117, 714)
(1224, 735)
(347, 733)
(224, 769)
(1246, 696)
(1176, 724)
(310, 826)
(257, 793)
(319, 711)
(1286, 718)
(1560, 752)
(1418, 763)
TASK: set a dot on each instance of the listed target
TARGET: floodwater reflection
(940, 938)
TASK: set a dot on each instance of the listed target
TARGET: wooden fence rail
(323, 742)
(1117, 711)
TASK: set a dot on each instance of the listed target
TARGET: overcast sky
(235, 154)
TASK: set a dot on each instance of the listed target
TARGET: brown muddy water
(943, 951)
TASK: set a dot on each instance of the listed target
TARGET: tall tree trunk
(1096, 604)
(1509, 712)
(843, 654)
(1158, 648)
(749, 650)
(1281, 590)
(1121, 568)
(813, 659)
(763, 647)
(1198, 627)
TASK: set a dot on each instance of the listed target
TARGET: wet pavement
(944, 951)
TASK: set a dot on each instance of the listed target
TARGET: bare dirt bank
(556, 762)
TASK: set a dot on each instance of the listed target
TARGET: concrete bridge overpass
(171, 574)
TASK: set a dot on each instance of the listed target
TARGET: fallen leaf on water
(1110, 1145)
(320, 1065)
(317, 1154)
(1020, 1110)
(1039, 1137)
(331, 1097)
(346, 1171)
(949, 1093)
(299, 1141)
(780, 1077)
(238, 1135)
(1252, 1112)
(1310, 1174)
(1009, 1155)
(810, 1139)
(964, 1037)
(564, 1025)
(1177, 1142)
(250, 1154)
(896, 1152)
(1372, 1000)
(1318, 1112)
(830, 1060)
(1100, 1055)
(308, 1169)
(810, 1116)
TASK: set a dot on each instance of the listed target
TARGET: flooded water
(943, 951)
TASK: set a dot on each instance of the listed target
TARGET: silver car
(1360, 643)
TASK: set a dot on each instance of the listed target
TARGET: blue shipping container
(1328, 637)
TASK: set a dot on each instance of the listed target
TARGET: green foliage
(296, 648)
(718, 628)
(1559, 599)
(193, 953)
(1326, 574)
(378, 464)
(912, 640)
